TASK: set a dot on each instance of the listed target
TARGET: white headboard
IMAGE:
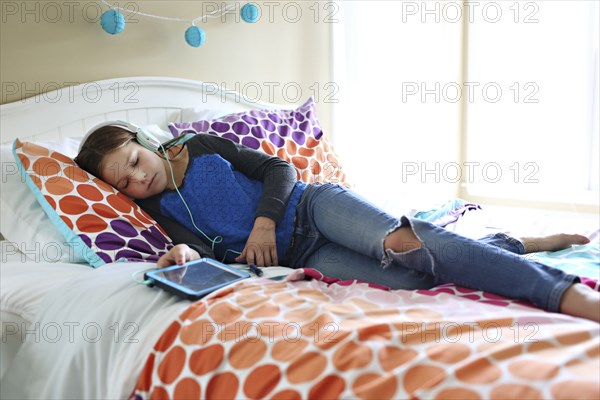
(71, 111)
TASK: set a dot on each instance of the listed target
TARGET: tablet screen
(198, 276)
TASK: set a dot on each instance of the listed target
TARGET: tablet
(195, 279)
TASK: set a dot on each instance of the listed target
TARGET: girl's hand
(261, 247)
(179, 255)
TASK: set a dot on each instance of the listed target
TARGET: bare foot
(560, 241)
(581, 301)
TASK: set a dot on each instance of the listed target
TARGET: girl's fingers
(274, 255)
(267, 258)
(177, 255)
(180, 256)
(163, 261)
(250, 255)
(257, 257)
(242, 256)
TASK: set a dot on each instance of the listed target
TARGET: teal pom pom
(194, 36)
(250, 13)
(112, 22)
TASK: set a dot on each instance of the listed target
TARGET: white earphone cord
(214, 241)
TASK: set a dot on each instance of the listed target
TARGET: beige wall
(49, 44)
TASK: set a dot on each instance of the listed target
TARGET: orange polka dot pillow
(99, 223)
(293, 135)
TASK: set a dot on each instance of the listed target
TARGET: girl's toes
(582, 239)
(575, 239)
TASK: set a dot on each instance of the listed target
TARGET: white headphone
(144, 138)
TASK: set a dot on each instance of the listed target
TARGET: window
(472, 99)
(532, 123)
(393, 132)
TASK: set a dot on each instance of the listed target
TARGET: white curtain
(392, 133)
(418, 122)
(542, 133)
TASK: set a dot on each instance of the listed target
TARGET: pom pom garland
(194, 36)
(113, 22)
(250, 13)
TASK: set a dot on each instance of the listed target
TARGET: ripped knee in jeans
(401, 239)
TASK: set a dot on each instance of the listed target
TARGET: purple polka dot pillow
(98, 223)
(292, 135)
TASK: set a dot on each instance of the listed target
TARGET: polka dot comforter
(328, 339)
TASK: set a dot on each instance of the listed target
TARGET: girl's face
(135, 171)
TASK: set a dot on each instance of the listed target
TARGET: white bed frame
(72, 111)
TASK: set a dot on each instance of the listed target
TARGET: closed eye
(133, 164)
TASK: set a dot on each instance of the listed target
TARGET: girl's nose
(138, 177)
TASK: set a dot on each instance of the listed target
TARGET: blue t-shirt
(226, 187)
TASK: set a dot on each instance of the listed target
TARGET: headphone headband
(144, 138)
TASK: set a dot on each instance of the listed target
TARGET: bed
(73, 331)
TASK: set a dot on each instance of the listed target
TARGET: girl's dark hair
(99, 144)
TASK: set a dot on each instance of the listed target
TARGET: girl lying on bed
(218, 199)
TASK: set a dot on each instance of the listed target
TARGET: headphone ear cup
(147, 140)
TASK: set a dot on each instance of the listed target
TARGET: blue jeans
(341, 234)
